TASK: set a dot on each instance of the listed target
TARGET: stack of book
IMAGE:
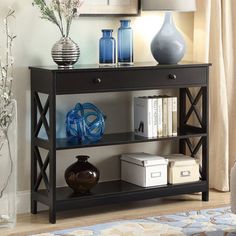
(155, 116)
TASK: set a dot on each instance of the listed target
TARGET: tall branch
(60, 17)
(69, 19)
(6, 101)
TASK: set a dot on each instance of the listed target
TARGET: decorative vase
(107, 48)
(125, 43)
(8, 163)
(233, 188)
(65, 53)
(168, 46)
(82, 176)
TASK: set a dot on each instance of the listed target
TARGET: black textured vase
(82, 176)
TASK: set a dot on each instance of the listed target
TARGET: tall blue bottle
(107, 48)
(125, 43)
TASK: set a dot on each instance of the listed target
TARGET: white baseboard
(23, 203)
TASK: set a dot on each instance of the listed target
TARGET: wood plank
(120, 138)
(116, 192)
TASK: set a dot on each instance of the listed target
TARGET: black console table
(93, 79)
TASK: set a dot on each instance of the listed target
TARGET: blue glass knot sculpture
(85, 122)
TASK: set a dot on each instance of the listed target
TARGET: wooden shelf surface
(138, 65)
(115, 191)
(118, 139)
(115, 139)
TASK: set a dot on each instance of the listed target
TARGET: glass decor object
(107, 48)
(82, 175)
(125, 43)
(8, 164)
(168, 46)
(85, 122)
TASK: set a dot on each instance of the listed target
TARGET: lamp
(168, 46)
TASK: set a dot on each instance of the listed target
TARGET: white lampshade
(168, 5)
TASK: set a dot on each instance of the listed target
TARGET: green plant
(59, 12)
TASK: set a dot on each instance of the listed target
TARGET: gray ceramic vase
(65, 53)
(168, 46)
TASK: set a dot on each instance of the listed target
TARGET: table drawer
(130, 79)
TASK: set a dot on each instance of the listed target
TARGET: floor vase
(8, 165)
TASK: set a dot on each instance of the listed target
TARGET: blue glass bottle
(107, 48)
(125, 43)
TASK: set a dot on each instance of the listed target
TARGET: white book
(154, 117)
(164, 116)
(159, 117)
(169, 115)
(174, 116)
(143, 116)
(150, 117)
(159, 129)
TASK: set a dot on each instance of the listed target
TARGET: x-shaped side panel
(194, 148)
(43, 166)
(43, 111)
(193, 107)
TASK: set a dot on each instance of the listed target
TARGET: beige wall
(35, 38)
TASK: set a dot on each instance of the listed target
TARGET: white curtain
(215, 42)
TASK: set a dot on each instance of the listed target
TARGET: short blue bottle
(107, 48)
(125, 43)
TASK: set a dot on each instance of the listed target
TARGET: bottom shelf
(116, 192)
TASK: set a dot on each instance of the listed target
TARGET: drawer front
(127, 80)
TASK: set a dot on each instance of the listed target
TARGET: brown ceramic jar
(82, 176)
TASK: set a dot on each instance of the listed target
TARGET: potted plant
(65, 52)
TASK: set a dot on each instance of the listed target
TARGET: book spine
(159, 117)
(154, 118)
(139, 117)
(174, 116)
(137, 125)
(164, 116)
(169, 116)
(149, 117)
(143, 117)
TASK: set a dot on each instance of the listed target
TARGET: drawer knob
(97, 81)
(172, 76)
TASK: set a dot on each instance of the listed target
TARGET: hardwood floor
(28, 224)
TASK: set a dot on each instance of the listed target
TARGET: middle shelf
(115, 139)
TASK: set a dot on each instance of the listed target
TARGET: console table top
(136, 65)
